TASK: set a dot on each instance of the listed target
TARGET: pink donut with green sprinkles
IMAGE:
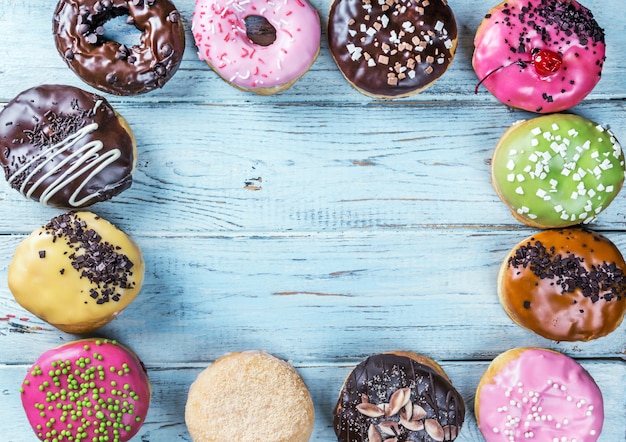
(91, 389)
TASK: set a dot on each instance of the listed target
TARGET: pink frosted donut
(533, 394)
(91, 389)
(539, 55)
(262, 46)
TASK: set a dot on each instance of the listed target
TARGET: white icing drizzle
(85, 158)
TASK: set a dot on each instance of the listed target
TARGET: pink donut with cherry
(91, 389)
(261, 46)
(539, 55)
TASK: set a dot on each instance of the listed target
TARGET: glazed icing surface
(543, 396)
(65, 147)
(390, 395)
(565, 285)
(392, 48)
(558, 170)
(511, 33)
(220, 31)
(92, 389)
(79, 33)
(77, 269)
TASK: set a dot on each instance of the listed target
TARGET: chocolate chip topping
(97, 260)
(79, 30)
(392, 48)
(601, 282)
(50, 147)
(378, 394)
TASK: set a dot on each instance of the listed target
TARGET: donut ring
(65, 147)
(109, 66)
(398, 394)
(557, 170)
(564, 285)
(537, 394)
(91, 389)
(539, 55)
(262, 46)
(392, 49)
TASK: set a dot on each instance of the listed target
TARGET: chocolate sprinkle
(93, 258)
(605, 281)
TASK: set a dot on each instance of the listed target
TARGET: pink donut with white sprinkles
(534, 394)
(262, 46)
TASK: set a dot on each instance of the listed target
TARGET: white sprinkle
(531, 216)
(536, 131)
(371, 62)
(533, 158)
(438, 26)
(541, 193)
(520, 178)
(600, 187)
(510, 165)
(609, 189)
(534, 142)
(519, 191)
(448, 44)
(574, 195)
(558, 208)
(555, 126)
(527, 169)
(384, 20)
(350, 47)
(510, 177)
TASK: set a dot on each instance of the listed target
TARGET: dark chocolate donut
(108, 65)
(65, 147)
(393, 48)
(398, 395)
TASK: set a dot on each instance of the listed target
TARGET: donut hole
(259, 30)
(121, 29)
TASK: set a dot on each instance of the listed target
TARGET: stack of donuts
(68, 148)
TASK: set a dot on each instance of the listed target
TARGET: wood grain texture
(317, 224)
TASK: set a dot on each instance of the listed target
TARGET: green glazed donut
(557, 170)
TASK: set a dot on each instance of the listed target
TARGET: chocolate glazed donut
(393, 397)
(65, 147)
(78, 29)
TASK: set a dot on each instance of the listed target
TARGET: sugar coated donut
(65, 147)
(249, 396)
(398, 396)
(79, 34)
(557, 170)
(533, 394)
(565, 285)
(392, 49)
(91, 389)
(539, 55)
(78, 272)
(262, 46)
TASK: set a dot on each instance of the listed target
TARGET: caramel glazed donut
(65, 147)
(398, 397)
(393, 48)
(112, 67)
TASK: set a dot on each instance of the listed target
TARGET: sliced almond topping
(373, 435)
(434, 429)
(418, 413)
(370, 410)
(450, 432)
(412, 425)
(364, 398)
(390, 428)
(407, 412)
(398, 400)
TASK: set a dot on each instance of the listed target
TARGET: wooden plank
(166, 421)
(322, 297)
(26, 24)
(305, 168)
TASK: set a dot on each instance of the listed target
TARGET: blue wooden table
(317, 224)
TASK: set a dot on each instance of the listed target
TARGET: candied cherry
(546, 62)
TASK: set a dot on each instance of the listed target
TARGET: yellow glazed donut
(249, 396)
(78, 272)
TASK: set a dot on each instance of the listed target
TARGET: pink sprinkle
(288, 33)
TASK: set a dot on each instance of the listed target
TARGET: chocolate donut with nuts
(398, 396)
(65, 147)
(393, 48)
(79, 33)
